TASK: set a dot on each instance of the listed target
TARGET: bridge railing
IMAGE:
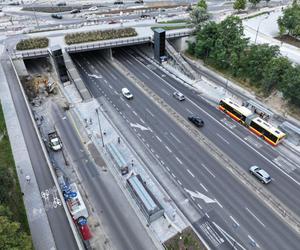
(29, 54)
(107, 44)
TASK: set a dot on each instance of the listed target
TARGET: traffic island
(33, 43)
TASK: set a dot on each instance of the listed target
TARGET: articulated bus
(256, 124)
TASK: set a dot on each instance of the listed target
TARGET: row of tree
(224, 46)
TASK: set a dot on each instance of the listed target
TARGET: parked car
(113, 21)
(57, 16)
(126, 93)
(196, 121)
(75, 11)
(179, 96)
(260, 174)
(118, 2)
(139, 1)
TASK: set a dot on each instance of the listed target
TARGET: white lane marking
(188, 111)
(158, 138)
(207, 215)
(168, 149)
(178, 160)
(208, 170)
(175, 137)
(219, 203)
(222, 138)
(193, 198)
(116, 92)
(157, 156)
(189, 171)
(145, 75)
(173, 175)
(179, 182)
(127, 105)
(203, 187)
(149, 112)
(128, 62)
(250, 212)
(253, 241)
(199, 205)
(134, 112)
(113, 76)
(142, 121)
(110, 86)
(162, 163)
(234, 221)
(105, 81)
(165, 91)
(168, 169)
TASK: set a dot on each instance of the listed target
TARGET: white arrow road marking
(94, 76)
(200, 196)
(141, 127)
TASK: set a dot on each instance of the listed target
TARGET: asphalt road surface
(188, 162)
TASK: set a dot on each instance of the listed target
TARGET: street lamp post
(259, 27)
(100, 129)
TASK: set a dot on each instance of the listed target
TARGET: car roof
(263, 173)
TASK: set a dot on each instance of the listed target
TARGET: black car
(75, 11)
(57, 16)
(196, 120)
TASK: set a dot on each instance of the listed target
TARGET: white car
(179, 96)
(260, 174)
(94, 8)
(126, 93)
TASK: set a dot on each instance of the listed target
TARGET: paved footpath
(37, 218)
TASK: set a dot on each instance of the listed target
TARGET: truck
(54, 141)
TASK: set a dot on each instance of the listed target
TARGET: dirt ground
(290, 40)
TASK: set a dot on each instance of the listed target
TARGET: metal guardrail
(179, 34)
(110, 44)
(30, 54)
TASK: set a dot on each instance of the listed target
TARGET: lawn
(10, 192)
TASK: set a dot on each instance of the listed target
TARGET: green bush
(91, 36)
(33, 43)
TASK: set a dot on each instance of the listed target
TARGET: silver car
(260, 174)
(179, 96)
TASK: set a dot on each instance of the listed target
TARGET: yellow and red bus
(264, 129)
(234, 110)
(256, 124)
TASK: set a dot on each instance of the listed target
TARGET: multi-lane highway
(186, 160)
(235, 140)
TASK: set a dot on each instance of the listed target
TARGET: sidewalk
(37, 218)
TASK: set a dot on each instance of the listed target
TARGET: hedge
(33, 43)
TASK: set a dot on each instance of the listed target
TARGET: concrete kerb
(266, 197)
(74, 230)
(181, 214)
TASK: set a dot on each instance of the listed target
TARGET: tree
(202, 4)
(239, 5)
(198, 17)
(275, 74)
(290, 21)
(11, 237)
(254, 2)
(267, 2)
(291, 85)
(255, 61)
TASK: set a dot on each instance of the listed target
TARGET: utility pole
(100, 129)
